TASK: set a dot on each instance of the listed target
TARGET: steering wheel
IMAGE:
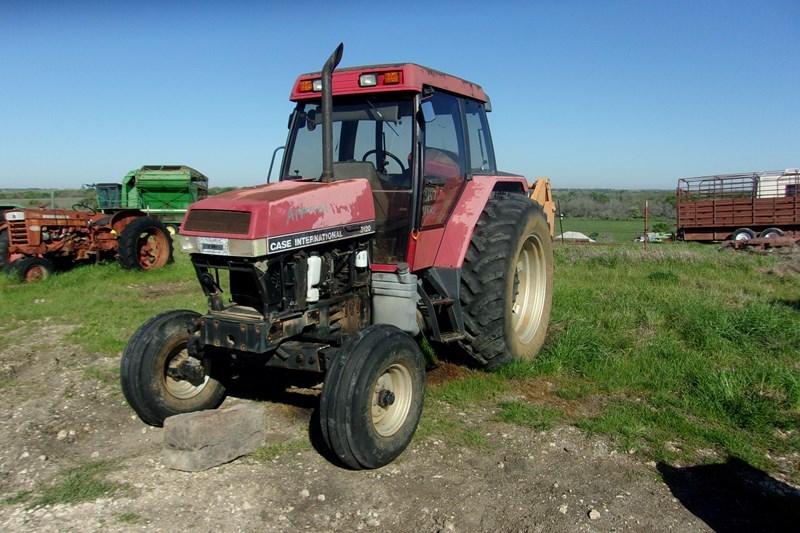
(84, 207)
(386, 153)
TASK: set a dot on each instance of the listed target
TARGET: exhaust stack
(327, 112)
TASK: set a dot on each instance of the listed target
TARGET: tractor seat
(346, 170)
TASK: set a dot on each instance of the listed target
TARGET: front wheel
(32, 269)
(3, 249)
(372, 397)
(158, 375)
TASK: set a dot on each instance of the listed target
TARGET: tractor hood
(275, 218)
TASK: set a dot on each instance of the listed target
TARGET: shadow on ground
(734, 496)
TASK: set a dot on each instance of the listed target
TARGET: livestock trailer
(739, 207)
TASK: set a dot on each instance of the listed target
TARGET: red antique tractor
(390, 222)
(36, 240)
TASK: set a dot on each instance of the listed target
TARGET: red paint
(413, 77)
(292, 206)
(376, 267)
(452, 248)
(427, 245)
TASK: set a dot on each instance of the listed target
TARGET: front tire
(32, 269)
(147, 371)
(372, 397)
(3, 249)
(507, 282)
(145, 244)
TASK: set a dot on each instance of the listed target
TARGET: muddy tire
(32, 269)
(145, 244)
(507, 282)
(3, 249)
(156, 349)
(372, 397)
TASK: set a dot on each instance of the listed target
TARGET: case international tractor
(390, 221)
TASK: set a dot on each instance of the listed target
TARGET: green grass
(129, 518)
(688, 348)
(269, 452)
(104, 302)
(445, 424)
(20, 497)
(80, 484)
(473, 388)
(529, 415)
(616, 231)
(673, 352)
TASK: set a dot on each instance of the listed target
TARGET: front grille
(18, 233)
(216, 221)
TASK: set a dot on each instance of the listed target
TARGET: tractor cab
(415, 134)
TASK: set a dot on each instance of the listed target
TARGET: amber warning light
(306, 86)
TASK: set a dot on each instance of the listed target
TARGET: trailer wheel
(32, 269)
(145, 244)
(743, 234)
(770, 233)
(158, 377)
(507, 282)
(372, 397)
(3, 249)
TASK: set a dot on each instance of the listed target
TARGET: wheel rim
(36, 273)
(391, 400)
(743, 236)
(530, 281)
(180, 388)
(153, 249)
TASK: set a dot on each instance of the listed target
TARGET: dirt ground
(62, 408)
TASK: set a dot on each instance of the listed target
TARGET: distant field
(607, 230)
(61, 198)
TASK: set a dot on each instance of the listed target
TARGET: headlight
(187, 244)
(15, 215)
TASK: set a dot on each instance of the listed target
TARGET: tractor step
(451, 336)
(442, 301)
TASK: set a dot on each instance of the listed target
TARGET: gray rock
(204, 439)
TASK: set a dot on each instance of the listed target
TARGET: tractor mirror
(311, 119)
(427, 111)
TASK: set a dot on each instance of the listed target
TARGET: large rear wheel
(158, 375)
(372, 397)
(507, 282)
(145, 244)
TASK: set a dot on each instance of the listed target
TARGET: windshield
(378, 131)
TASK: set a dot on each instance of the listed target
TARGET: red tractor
(34, 241)
(402, 228)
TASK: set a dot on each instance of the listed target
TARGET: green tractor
(163, 192)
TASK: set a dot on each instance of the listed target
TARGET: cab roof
(412, 79)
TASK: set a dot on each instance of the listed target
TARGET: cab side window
(445, 164)
(481, 153)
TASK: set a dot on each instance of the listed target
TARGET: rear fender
(446, 247)
(120, 219)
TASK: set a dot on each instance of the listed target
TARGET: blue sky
(593, 94)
